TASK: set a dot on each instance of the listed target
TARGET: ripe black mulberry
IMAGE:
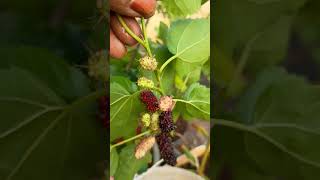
(166, 122)
(166, 149)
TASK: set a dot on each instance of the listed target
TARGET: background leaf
(266, 26)
(65, 80)
(114, 161)
(189, 40)
(181, 8)
(128, 164)
(45, 121)
(285, 122)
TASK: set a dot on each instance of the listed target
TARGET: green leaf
(128, 164)
(189, 72)
(167, 80)
(114, 161)
(41, 134)
(282, 110)
(224, 71)
(189, 40)
(197, 102)
(206, 69)
(125, 107)
(59, 77)
(163, 32)
(248, 102)
(231, 156)
(179, 84)
(263, 28)
(181, 8)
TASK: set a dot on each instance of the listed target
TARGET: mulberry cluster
(103, 106)
(165, 121)
(166, 149)
(150, 100)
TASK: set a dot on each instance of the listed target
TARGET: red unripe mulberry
(150, 100)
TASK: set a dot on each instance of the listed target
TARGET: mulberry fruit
(154, 125)
(165, 121)
(166, 103)
(166, 149)
(153, 107)
(98, 66)
(148, 63)
(144, 146)
(150, 100)
(146, 119)
(145, 83)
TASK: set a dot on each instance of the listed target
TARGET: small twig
(130, 139)
(204, 161)
(167, 62)
(128, 30)
(184, 140)
(200, 129)
(196, 152)
(159, 90)
(193, 160)
(145, 37)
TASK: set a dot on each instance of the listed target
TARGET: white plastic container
(168, 173)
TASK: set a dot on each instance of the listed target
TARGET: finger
(144, 7)
(121, 33)
(134, 8)
(117, 48)
(123, 7)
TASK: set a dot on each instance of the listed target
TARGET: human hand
(128, 9)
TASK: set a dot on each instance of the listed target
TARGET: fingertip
(146, 8)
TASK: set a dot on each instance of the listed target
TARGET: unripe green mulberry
(145, 82)
(154, 125)
(148, 63)
(146, 119)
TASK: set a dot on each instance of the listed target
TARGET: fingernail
(144, 7)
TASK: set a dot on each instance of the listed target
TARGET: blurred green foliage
(49, 127)
(266, 89)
